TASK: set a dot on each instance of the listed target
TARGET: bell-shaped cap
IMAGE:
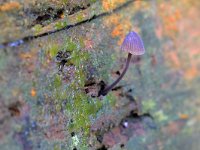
(133, 44)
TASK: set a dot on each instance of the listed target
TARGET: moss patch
(60, 25)
(80, 106)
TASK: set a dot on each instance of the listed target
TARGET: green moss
(37, 28)
(71, 46)
(92, 1)
(80, 107)
(81, 42)
(80, 17)
(57, 81)
(65, 1)
(148, 105)
(59, 94)
(60, 25)
(160, 116)
(53, 50)
(82, 110)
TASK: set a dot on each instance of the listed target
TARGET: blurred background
(55, 56)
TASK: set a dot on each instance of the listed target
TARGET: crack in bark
(53, 14)
(50, 14)
(31, 37)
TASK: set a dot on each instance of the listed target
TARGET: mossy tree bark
(57, 55)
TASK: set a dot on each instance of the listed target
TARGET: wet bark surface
(57, 55)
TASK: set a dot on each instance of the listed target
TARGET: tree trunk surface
(56, 56)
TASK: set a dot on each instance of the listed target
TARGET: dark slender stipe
(110, 87)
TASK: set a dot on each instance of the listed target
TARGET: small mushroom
(134, 46)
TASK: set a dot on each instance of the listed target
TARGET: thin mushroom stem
(110, 87)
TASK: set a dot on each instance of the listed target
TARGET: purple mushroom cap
(133, 44)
